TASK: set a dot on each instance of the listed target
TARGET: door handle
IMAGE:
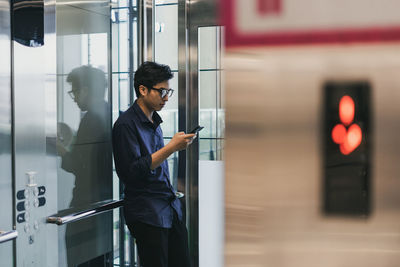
(8, 236)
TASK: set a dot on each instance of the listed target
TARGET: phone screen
(197, 129)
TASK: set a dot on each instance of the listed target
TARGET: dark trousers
(162, 247)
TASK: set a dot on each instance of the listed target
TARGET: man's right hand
(181, 141)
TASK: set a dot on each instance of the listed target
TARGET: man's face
(152, 97)
(80, 96)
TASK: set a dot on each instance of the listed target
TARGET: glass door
(6, 188)
(84, 119)
(211, 146)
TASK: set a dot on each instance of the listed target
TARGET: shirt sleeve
(129, 162)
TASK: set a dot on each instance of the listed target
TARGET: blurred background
(297, 164)
(297, 192)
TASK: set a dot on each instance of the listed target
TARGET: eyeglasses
(164, 92)
(72, 94)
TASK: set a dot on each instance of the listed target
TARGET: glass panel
(208, 46)
(166, 2)
(166, 35)
(124, 54)
(211, 146)
(120, 32)
(208, 103)
(207, 149)
(169, 113)
(122, 3)
(121, 94)
(221, 149)
(173, 166)
(84, 125)
(211, 83)
(6, 218)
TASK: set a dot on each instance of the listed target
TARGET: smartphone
(197, 129)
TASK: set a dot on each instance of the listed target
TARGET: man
(152, 211)
(88, 156)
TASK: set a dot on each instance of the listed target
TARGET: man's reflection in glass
(89, 159)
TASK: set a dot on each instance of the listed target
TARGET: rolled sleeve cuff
(141, 166)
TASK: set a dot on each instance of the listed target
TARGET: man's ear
(142, 90)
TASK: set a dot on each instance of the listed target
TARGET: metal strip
(99, 208)
(149, 29)
(140, 32)
(14, 187)
(131, 15)
(192, 172)
(8, 236)
(182, 87)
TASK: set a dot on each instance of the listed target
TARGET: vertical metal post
(13, 173)
(182, 87)
(145, 30)
(130, 49)
(140, 31)
(149, 27)
(192, 172)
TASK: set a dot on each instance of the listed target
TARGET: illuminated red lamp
(346, 110)
(348, 140)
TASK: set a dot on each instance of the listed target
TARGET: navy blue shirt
(149, 195)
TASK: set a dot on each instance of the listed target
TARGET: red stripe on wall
(329, 36)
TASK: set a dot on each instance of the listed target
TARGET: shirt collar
(142, 117)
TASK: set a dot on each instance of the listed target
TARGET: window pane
(173, 166)
(207, 149)
(208, 103)
(120, 40)
(163, 2)
(169, 113)
(208, 46)
(166, 35)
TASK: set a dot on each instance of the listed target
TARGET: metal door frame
(191, 15)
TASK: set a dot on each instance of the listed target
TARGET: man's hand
(181, 141)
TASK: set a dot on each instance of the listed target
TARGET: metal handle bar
(8, 236)
(69, 215)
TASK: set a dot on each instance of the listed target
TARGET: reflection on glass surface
(84, 127)
(87, 155)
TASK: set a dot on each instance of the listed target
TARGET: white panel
(211, 213)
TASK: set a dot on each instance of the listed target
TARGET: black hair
(151, 73)
(88, 77)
